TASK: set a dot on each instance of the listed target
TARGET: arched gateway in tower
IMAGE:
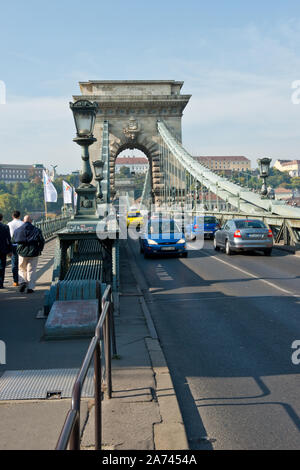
(132, 109)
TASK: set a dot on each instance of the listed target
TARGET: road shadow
(208, 336)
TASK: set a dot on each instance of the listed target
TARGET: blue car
(162, 237)
(202, 225)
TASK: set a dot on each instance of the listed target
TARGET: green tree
(124, 172)
(295, 182)
(17, 189)
(8, 204)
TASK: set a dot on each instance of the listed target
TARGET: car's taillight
(196, 226)
(237, 234)
(270, 234)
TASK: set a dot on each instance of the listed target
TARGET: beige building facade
(134, 164)
(291, 166)
(283, 194)
(220, 163)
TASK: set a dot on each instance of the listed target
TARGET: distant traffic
(169, 234)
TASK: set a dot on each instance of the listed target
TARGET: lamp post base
(86, 203)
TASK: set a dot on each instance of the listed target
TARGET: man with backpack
(30, 243)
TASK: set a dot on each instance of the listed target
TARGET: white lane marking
(255, 277)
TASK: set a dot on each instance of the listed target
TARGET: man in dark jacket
(5, 249)
(30, 242)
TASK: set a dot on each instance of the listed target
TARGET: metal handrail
(70, 433)
(50, 226)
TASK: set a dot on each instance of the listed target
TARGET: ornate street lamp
(264, 168)
(84, 113)
(98, 167)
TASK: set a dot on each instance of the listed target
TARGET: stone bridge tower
(132, 108)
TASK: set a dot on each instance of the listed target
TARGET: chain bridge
(147, 115)
(202, 349)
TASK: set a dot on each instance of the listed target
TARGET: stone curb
(170, 434)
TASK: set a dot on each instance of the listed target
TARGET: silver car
(244, 235)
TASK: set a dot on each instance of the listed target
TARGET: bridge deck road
(226, 326)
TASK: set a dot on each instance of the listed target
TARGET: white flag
(67, 192)
(50, 192)
(75, 197)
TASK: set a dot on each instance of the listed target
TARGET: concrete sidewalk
(143, 412)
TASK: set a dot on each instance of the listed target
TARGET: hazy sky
(238, 59)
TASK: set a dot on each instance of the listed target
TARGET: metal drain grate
(41, 384)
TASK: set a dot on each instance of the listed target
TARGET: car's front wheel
(216, 246)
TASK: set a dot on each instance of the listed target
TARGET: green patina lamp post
(84, 113)
(98, 167)
(264, 168)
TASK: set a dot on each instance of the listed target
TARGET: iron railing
(50, 226)
(70, 434)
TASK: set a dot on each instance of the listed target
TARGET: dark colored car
(244, 235)
(161, 237)
(205, 225)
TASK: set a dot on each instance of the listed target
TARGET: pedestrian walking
(13, 225)
(5, 249)
(30, 243)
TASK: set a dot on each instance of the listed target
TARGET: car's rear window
(134, 214)
(168, 226)
(210, 220)
(249, 224)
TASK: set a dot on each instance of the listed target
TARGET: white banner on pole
(67, 192)
(50, 192)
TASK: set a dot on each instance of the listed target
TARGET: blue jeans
(15, 263)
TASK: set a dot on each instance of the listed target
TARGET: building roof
(131, 161)
(283, 191)
(232, 158)
(290, 162)
(20, 167)
(134, 82)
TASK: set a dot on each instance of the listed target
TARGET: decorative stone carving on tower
(132, 129)
(132, 109)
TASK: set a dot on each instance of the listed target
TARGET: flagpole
(46, 213)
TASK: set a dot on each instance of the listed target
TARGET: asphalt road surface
(226, 325)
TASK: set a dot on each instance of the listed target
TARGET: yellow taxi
(135, 218)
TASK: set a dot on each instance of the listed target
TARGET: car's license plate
(168, 248)
(255, 235)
